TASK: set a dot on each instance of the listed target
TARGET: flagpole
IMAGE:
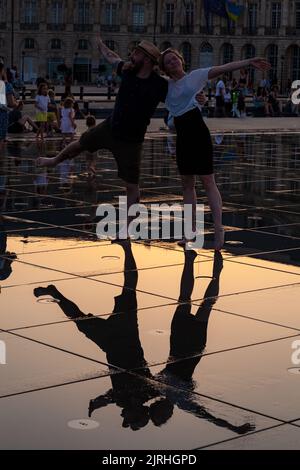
(155, 21)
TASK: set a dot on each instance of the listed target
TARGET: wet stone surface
(141, 345)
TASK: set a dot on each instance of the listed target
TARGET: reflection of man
(118, 336)
(123, 132)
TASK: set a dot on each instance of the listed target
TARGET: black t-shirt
(135, 104)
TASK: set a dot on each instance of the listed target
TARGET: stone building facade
(37, 35)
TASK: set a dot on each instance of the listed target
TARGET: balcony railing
(227, 31)
(30, 26)
(56, 26)
(250, 31)
(113, 28)
(187, 29)
(205, 30)
(166, 29)
(290, 31)
(83, 27)
(137, 29)
(272, 31)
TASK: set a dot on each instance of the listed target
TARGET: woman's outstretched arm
(258, 62)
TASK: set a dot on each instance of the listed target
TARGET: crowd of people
(232, 96)
(51, 116)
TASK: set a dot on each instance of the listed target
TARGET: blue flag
(224, 8)
(234, 11)
(218, 7)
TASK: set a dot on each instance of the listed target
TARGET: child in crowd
(67, 123)
(53, 115)
(42, 101)
(228, 102)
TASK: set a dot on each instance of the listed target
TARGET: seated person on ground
(17, 122)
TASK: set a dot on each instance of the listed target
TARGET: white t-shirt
(220, 87)
(181, 93)
(3, 100)
(227, 97)
(42, 102)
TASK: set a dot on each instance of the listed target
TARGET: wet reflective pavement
(103, 350)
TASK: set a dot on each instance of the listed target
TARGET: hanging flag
(214, 6)
(217, 7)
(233, 11)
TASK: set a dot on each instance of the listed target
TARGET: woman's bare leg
(215, 204)
(190, 198)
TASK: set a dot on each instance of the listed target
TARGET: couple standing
(141, 90)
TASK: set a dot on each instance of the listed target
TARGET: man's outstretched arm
(111, 56)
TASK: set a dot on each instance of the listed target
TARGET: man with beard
(123, 132)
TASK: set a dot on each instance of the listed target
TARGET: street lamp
(23, 59)
(155, 21)
(281, 74)
(74, 64)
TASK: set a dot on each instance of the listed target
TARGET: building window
(83, 12)
(186, 51)
(83, 44)
(227, 53)
(252, 16)
(206, 55)
(138, 14)
(57, 12)
(29, 43)
(169, 16)
(55, 44)
(30, 11)
(276, 15)
(111, 13)
(3, 11)
(272, 56)
(298, 15)
(209, 23)
(295, 63)
(53, 64)
(248, 52)
(189, 14)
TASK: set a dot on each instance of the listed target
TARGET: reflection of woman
(192, 132)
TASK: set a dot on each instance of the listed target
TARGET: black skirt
(194, 150)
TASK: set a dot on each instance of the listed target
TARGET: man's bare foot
(46, 162)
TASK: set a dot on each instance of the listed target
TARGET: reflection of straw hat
(149, 49)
